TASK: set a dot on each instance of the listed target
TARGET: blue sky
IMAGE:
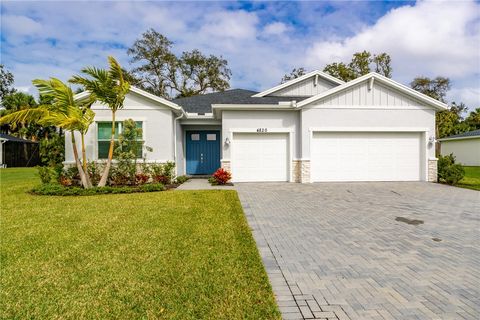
(261, 40)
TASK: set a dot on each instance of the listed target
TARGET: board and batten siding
(305, 88)
(360, 95)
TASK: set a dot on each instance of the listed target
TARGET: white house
(465, 147)
(310, 129)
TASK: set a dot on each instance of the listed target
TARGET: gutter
(458, 138)
(175, 139)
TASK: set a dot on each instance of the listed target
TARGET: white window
(195, 136)
(211, 136)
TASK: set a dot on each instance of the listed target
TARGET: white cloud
(260, 44)
(230, 24)
(275, 29)
(20, 25)
(430, 38)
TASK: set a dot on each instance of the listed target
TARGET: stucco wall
(466, 151)
(271, 120)
(157, 128)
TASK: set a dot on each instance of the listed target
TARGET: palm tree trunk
(84, 162)
(103, 179)
(83, 177)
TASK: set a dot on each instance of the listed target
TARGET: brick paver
(335, 251)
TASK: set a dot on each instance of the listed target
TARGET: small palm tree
(63, 112)
(110, 88)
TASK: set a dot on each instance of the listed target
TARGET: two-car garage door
(335, 156)
(366, 156)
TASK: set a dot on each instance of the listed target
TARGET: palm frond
(33, 115)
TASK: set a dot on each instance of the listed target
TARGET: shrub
(163, 173)
(52, 150)
(45, 174)
(181, 179)
(220, 177)
(152, 187)
(51, 189)
(141, 178)
(449, 171)
(94, 171)
(69, 177)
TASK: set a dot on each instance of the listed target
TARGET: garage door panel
(260, 157)
(357, 156)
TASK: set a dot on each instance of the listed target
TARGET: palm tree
(110, 88)
(63, 112)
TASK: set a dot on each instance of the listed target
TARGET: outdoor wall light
(227, 141)
(431, 140)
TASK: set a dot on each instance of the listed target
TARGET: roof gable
(144, 96)
(309, 84)
(374, 90)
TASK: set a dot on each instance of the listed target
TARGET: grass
(471, 179)
(165, 255)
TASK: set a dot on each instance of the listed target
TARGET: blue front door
(202, 152)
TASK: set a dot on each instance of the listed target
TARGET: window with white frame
(104, 131)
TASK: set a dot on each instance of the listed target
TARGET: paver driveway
(336, 250)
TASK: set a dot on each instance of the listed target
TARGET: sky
(261, 40)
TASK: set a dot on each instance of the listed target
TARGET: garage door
(260, 157)
(362, 156)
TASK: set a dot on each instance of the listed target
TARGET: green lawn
(162, 255)
(471, 179)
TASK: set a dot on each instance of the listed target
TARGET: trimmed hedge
(52, 189)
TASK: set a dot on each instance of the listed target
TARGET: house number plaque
(263, 130)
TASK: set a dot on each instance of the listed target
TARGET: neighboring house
(18, 152)
(313, 128)
(465, 147)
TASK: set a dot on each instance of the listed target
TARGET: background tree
(295, 73)
(163, 73)
(436, 88)
(63, 112)
(17, 101)
(110, 88)
(450, 121)
(6, 82)
(361, 64)
(473, 119)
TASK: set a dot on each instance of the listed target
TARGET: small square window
(195, 136)
(211, 136)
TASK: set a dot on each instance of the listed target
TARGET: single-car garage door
(260, 157)
(366, 156)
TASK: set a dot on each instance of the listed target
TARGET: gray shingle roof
(203, 103)
(474, 133)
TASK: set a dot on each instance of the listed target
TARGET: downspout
(175, 141)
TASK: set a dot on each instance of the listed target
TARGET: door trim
(185, 131)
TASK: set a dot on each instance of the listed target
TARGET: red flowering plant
(220, 177)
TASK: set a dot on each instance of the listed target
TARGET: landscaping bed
(160, 255)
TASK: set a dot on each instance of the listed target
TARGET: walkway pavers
(335, 251)
(200, 184)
